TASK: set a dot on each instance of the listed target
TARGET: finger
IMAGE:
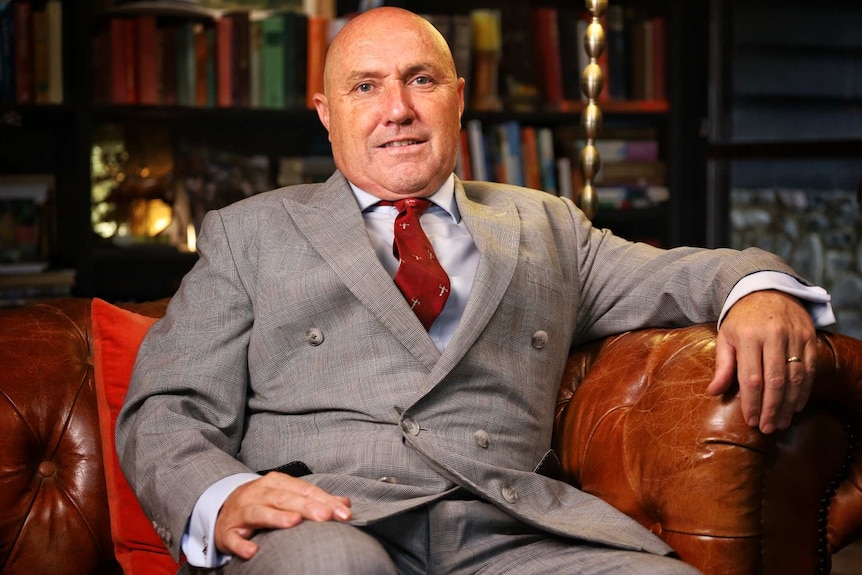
(312, 502)
(234, 543)
(725, 367)
(774, 383)
(749, 373)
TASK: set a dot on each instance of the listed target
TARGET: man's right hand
(275, 501)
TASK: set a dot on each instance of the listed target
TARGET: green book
(186, 74)
(272, 72)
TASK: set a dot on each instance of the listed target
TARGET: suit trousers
(449, 537)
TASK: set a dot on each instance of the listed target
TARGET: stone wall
(818, 232)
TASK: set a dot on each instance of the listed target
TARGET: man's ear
(322, 107)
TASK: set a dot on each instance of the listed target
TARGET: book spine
(545, 140)
(530, 158)
(147, 60)
(54, 10)
(254, 75)
(168, 59)
(224, 62)
(22, 33)
(241, 81)
(478, 155)
(272, 61)
(547, 46)
(202, 59)
(318, 41)
(40, 56)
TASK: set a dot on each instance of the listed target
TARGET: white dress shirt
(458, 255)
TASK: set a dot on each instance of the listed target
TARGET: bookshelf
(59, 138)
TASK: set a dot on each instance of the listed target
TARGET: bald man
(292, 414)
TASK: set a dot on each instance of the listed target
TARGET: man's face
(392, 107)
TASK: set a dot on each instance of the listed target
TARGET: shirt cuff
(815, 298)
(198, 541)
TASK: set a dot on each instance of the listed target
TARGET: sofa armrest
(635, 427)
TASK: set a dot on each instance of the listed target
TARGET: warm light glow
(191, 238)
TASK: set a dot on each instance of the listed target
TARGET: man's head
(392, 104)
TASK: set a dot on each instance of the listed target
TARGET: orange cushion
(117, 334)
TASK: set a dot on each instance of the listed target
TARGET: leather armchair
(633, 427)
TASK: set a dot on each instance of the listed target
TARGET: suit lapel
(495, 227)
(330, 220)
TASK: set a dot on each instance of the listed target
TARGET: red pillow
(117, 334)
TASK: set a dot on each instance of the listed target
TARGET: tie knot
(404, 204)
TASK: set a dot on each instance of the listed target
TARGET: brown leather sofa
(633, 427)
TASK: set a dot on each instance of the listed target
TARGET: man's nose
(399, 104)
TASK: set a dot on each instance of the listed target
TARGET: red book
(224, 62)
(147, 60)
(547, 47)
(659, 55)
(121, 42)
(22, 32)
(318, 42)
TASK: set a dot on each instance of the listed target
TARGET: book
(463, 163)
(487, 50)
(461, 45)
(241, 73)
(620, 150)
(545, 25)
(186, 63)
(318, 42)
(22, 284)
(658, 40)
(530, 158)
(632, 172)
(478, 164)
(147, 60)
(167, 39)
(295, 59)
(619, 86)
(224, 58)
(509, 137)
(272, 61)
(7, 53)
(39, 20)
(22, 34)
(54, 12)
(121, 42)
(204, 64)
(254, 75)
(573, 57)
(547, 163)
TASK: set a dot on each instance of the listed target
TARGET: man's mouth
(401, 143)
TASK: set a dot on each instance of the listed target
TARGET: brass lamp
(591, 120)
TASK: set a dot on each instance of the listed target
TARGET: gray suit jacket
(289, 341)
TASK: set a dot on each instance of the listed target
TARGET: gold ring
(793, 359)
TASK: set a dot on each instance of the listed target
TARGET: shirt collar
(443, 198)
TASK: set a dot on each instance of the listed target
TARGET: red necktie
(420, 277)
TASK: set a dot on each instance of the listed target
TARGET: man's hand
(758, 335)
(275, 501)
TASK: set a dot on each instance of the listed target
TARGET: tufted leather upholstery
(638, 432)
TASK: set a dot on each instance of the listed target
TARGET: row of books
(240, 58)
(22, 288)
(632, 174)
(633, 61)
(31, 52)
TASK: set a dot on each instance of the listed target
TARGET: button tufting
(47, 468)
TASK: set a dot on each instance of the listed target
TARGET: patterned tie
(420, 277)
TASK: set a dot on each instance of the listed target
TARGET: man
(420, 451)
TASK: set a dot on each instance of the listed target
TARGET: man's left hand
(757, 337)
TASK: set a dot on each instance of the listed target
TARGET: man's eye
(364, 87)
(422, 80)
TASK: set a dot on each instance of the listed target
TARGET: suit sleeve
(628, 285)
(181, 424)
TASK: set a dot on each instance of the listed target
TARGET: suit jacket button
(410, 427)
(314, 336)
(387, 479)
(540, 339)
(482, 438)
(509, 494)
